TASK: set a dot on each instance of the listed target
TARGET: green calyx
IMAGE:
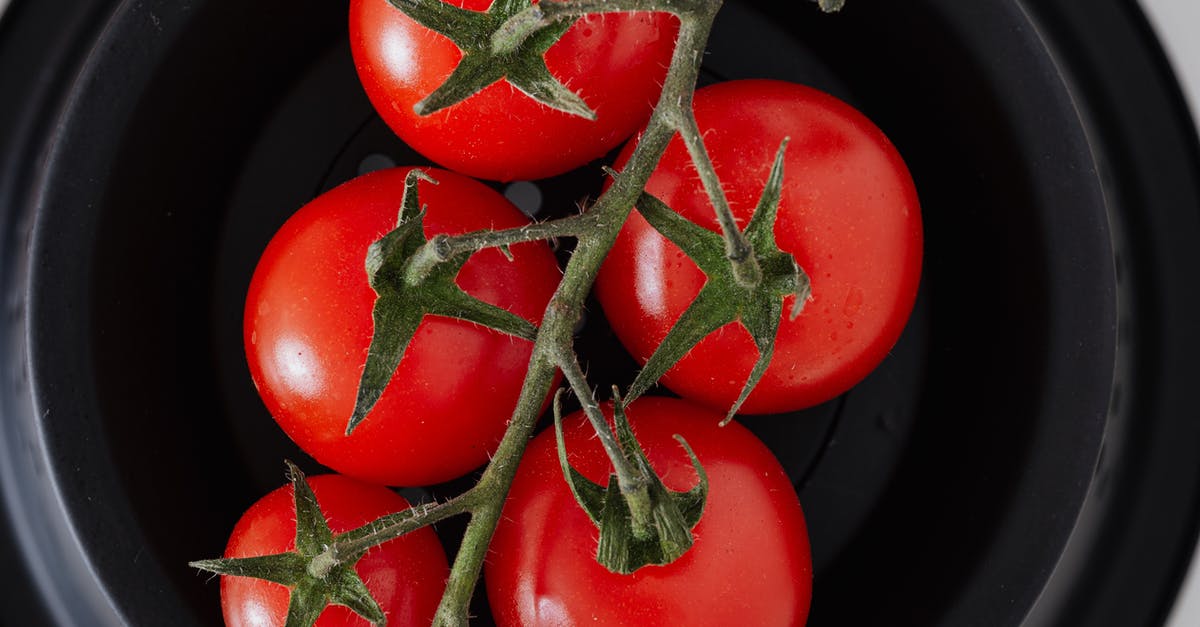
(314, 579)
(642, 524)
(725, 297)
(413, 277)
(523, 66)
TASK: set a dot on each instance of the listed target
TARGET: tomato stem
(493, 486)
(737, 247)
(350, 545)
(442, 248)
(640, 525)
(632, 482)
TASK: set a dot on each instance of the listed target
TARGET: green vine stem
(737, 248)
(596, 231)
(629, 479)
(443, 248)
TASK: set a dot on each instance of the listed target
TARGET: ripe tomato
(750, 564)
(616, 63)
(405, 576)
(849, 214)
(308, 325)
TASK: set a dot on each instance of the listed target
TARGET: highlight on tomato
(848, 213)
(308, 326)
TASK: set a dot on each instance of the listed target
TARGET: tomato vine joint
(641, 524)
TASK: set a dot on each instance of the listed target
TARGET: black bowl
(1004, 466)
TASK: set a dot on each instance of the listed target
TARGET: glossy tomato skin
(615, 62)
(751, 564)
(849, 214)
(405, 576)
(308, 325)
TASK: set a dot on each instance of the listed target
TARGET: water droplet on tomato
(854, 301)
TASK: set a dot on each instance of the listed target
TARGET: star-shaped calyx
(642, 525)
(723, 299)
(412, 278)
(472, 31)
(314, 584)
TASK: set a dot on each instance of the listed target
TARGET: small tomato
(848, 214)
(308, 324)
(750, 564)
(405, 576)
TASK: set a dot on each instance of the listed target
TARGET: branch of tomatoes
(750, 260)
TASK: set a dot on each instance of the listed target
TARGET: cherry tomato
(615, 62)
(849, 214)
(750, 564)
(308, 325)
(405, 576)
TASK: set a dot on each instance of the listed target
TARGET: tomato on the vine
(615, 62)
(848, 213)
(308, 324)
(750, 564)
(405, 576)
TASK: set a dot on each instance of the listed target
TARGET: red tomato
(849, 214)
(750, 564)
(308, 325)
(616, 63)
(405, 576)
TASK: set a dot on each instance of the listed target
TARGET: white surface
(1177, 22)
